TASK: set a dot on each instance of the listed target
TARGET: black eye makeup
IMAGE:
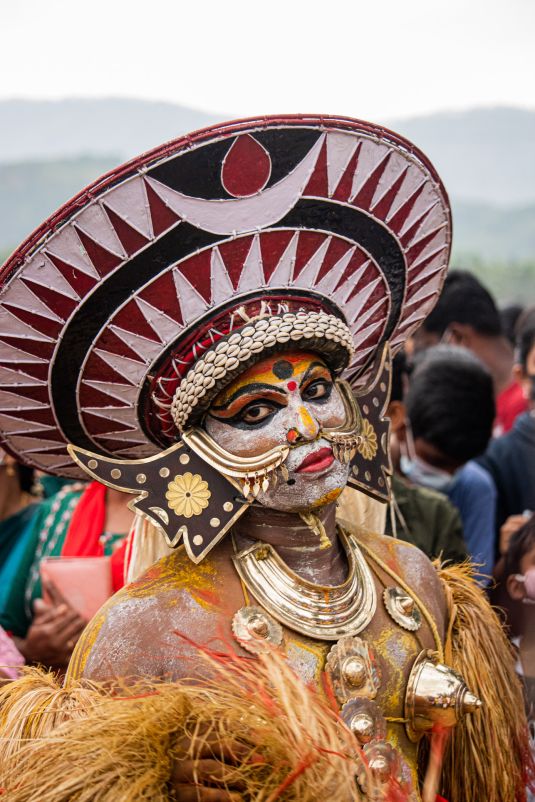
(269, 400)
(255, 414)
(318, 391)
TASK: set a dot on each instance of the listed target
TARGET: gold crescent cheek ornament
(250, 474)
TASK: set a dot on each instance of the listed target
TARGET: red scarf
(85, 529)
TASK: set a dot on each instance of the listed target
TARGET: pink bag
(84, 582)
(11, 659)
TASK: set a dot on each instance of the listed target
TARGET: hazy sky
(374, 59)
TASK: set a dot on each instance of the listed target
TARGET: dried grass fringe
(87, 744)
(488, 757)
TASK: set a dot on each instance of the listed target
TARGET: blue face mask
(421, 473)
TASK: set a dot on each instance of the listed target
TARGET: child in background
(519, 581)
(450, 410)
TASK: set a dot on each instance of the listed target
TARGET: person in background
(17, 503)
(509, 316)
(511, 459)
(78, 521)
(419, 515)
(450, 408)
(466, 315)
(11, 660)
(519, 584)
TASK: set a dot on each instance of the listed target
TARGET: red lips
(317, 461)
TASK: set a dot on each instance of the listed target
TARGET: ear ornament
(363, 439)
(370, 466)
(189, 490)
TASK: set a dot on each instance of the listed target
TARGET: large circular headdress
(107, 309)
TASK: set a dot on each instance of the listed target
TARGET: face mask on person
(528, 580)
(420, 472)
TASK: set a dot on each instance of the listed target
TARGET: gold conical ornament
(436, 695)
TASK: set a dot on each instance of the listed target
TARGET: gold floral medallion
(368, 440)
(188, 494)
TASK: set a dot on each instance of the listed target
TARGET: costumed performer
(210, 329)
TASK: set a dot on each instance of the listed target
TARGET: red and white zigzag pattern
(358, 170)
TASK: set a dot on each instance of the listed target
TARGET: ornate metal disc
(402, 608)
(255, 630)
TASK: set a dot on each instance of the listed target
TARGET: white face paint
(285, 399)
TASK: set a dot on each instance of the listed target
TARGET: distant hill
(51, 150)
(483, 155)
(34, 130)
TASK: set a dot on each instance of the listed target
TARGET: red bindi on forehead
(277, 369)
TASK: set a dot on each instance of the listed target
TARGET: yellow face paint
(310, 427)
(280, 372)
(287, 398)
(328, 498)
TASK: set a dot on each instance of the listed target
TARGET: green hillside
(31, 191)
(494, 233)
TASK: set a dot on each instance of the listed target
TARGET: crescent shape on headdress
(238, 215)
(109, 305)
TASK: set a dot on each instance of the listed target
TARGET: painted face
(285, 399)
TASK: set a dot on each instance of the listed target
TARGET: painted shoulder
(406, 561)
(136, 630)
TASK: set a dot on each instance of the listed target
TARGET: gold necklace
(324, 612)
